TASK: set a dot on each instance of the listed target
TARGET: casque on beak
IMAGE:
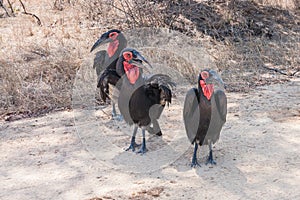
(102, 40)
(216, 80)
(139, 62)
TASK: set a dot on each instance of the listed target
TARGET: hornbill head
(204, 82)
(113, 38)
(209, 81)
(131, 61)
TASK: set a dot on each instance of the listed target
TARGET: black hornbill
(106, 60)
(205, 112)
(141, 99)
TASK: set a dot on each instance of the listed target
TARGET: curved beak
(102, 40)
(138, 61)
(216, 79)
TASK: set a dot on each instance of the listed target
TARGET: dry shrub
(250, 43)
(126, 14)
(245, 39)
(38, 83)
(285, 4)
(61, 4)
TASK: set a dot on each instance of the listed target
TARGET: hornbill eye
(204, 75)
(127, 55)
(112, 35)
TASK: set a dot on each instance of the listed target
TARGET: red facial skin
(132, 71)
(113, 46)
(208, 89)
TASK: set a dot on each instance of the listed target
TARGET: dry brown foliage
(251, 42)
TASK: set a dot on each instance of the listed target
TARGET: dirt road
(59, 156)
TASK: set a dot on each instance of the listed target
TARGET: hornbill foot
(195, 163)
(132, 146)
(211, 161)
(143, 148)
(117, 117)
(151, 131)
(159, 133)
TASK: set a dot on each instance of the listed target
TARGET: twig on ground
(298, 70)
(11, 9)
(281, 72)
(1, 4)
(33, 15)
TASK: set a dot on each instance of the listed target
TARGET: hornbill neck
(120, 68)
(122, 45)
(207, 91)
(133, 75)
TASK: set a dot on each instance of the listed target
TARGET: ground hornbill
(106, 60)
(205, 112)
(141, 99)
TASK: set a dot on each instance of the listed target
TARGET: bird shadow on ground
(251, 145)
(225, 175)
(159, 154)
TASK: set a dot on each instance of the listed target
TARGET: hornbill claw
(210, 160)
(143, 148)
(117, 117)
(132, 147)
(195, 163)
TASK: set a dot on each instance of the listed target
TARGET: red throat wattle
(208, 89)
(132, 72)
(112, 48)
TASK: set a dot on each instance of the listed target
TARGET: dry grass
(284, 4)
(39, 63)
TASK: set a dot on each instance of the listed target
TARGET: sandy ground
(79, 154)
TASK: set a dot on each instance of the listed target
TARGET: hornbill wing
(160, 79)
(158, 87)
(165, 95)
(159, 96)
(99, 61)
(221, 103)
(191, 113)
(218, 115)
(107, 80)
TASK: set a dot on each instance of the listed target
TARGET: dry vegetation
(252, 43)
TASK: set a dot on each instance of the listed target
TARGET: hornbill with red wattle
(204, 112)
(141, 99)
(106, 60)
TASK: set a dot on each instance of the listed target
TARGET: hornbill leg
(156, 128)
(132, 143)
(143, 148)
(194, 159)
(114, 114)
(210, 159)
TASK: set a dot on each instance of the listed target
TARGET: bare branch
(33, 15)
(1, 4)
(281, 72)
(11, 9)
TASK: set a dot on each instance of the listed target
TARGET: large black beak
(139, 62)
(102, 40)
(215, 79)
